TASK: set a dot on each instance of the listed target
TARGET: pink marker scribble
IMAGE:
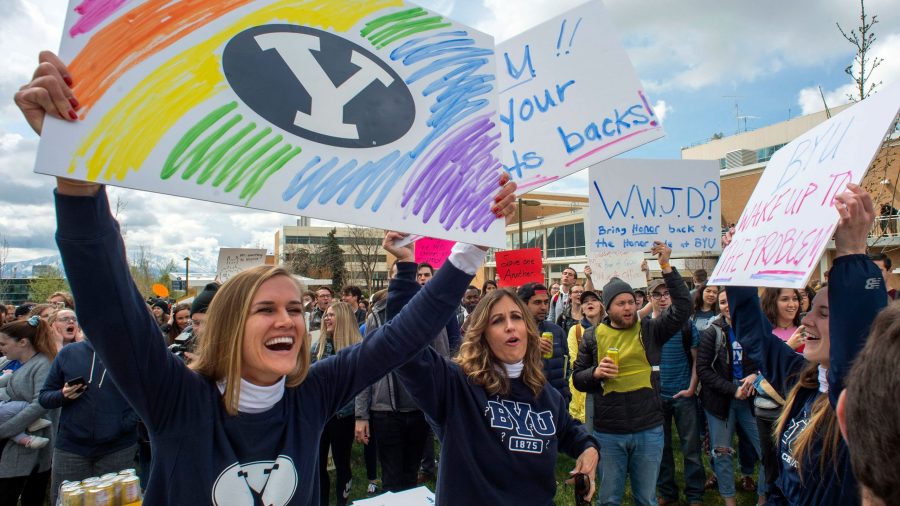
(537, 182)
(604, 146)
(93, 12)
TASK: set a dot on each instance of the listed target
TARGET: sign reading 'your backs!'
(366, 112)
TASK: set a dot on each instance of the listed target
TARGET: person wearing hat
(591, 313)
(537, 299)
(678, 386)
(624, 384)
(160, 310)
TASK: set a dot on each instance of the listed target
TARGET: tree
(141, 271)
(331, 257)
(365, 244)
(49, 282)
(862, 41)
(299, 261)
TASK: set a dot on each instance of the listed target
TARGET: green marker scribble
(235, 158)
(399, 25)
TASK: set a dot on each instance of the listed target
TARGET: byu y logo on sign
(318, 86)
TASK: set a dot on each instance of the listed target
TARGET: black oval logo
(318, 86)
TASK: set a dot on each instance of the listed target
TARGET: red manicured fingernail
(498, 198)
(498, 214)
(67, 79)
(73, 114)
(74, 103)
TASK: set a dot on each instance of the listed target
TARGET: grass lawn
(564, 493)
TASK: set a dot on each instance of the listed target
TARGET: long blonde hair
(480, 364)
(822, 422)
(219, 345)
(346, 331)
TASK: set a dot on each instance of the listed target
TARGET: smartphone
(78, 381)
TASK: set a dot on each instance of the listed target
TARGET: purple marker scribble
(458, 177)
(93, 12)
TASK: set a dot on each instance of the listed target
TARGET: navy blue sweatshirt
(557, 368)
(494, 450)
(201, 454)
(100, 421)
(855, 296)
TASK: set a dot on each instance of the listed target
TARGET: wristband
(664, 266)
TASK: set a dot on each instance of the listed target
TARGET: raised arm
(673, 318)
(414, 326)
(859, 290)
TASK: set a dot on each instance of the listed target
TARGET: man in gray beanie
(628, 420)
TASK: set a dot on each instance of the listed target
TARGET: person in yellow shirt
(592, 313)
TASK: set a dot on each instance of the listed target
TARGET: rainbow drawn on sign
(449, 175)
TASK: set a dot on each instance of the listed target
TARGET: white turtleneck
(514, 370)
(255, 398)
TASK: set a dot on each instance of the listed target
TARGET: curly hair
(478, 362)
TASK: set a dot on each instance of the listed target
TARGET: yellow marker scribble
(130, 131)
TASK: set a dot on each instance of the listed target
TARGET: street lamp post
(187, 275)
(524, 202)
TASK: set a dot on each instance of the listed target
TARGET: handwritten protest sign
(569, 97)
(238, 102)
(433, 251)
(636, 202)
(625, 265)
(790, 217)
(235, 260)
(520, 266)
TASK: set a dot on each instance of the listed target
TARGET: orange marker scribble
(136, 36)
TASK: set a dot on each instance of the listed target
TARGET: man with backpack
(678, 388)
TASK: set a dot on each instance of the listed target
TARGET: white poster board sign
(235, 260)
(237, 102)
(635, 202)
(790, 217)
(625, 265)
(569, 97)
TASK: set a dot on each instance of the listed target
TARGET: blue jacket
(856, 294)
(558, 368)
(100, 421)
(201, 454)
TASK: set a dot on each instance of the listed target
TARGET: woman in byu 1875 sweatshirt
(246, 428)
(500, 423)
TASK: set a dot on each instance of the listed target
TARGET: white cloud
(888, 72)
(662, 109)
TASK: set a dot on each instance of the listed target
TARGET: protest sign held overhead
(569, 98)
(520, 266)
(625, 265)
(433, 251)
(235, 260)
(331, 109)
(636, 202)
(790, 217)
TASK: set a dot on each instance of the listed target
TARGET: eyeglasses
(67, 319)
(658, 296)
(328, 315)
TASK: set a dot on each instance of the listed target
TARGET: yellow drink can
(613, 354)
(548, 336)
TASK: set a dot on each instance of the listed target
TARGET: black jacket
(714, 370)
(624, 413)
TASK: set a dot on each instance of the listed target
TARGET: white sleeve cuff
(467, 258)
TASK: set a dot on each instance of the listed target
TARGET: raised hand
(857, 215)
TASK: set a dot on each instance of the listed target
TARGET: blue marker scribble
(458, 75)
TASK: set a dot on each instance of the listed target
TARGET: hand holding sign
(662, 251)
(403, 251)
(857, 215)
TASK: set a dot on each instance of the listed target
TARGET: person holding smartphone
(98, 429)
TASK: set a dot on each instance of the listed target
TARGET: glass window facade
(565, 241)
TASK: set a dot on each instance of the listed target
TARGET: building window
(765, 154)
(530, 239)
(566, 241)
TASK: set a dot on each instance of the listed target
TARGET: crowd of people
(240, 396)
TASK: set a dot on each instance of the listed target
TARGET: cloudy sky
(693, 57)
